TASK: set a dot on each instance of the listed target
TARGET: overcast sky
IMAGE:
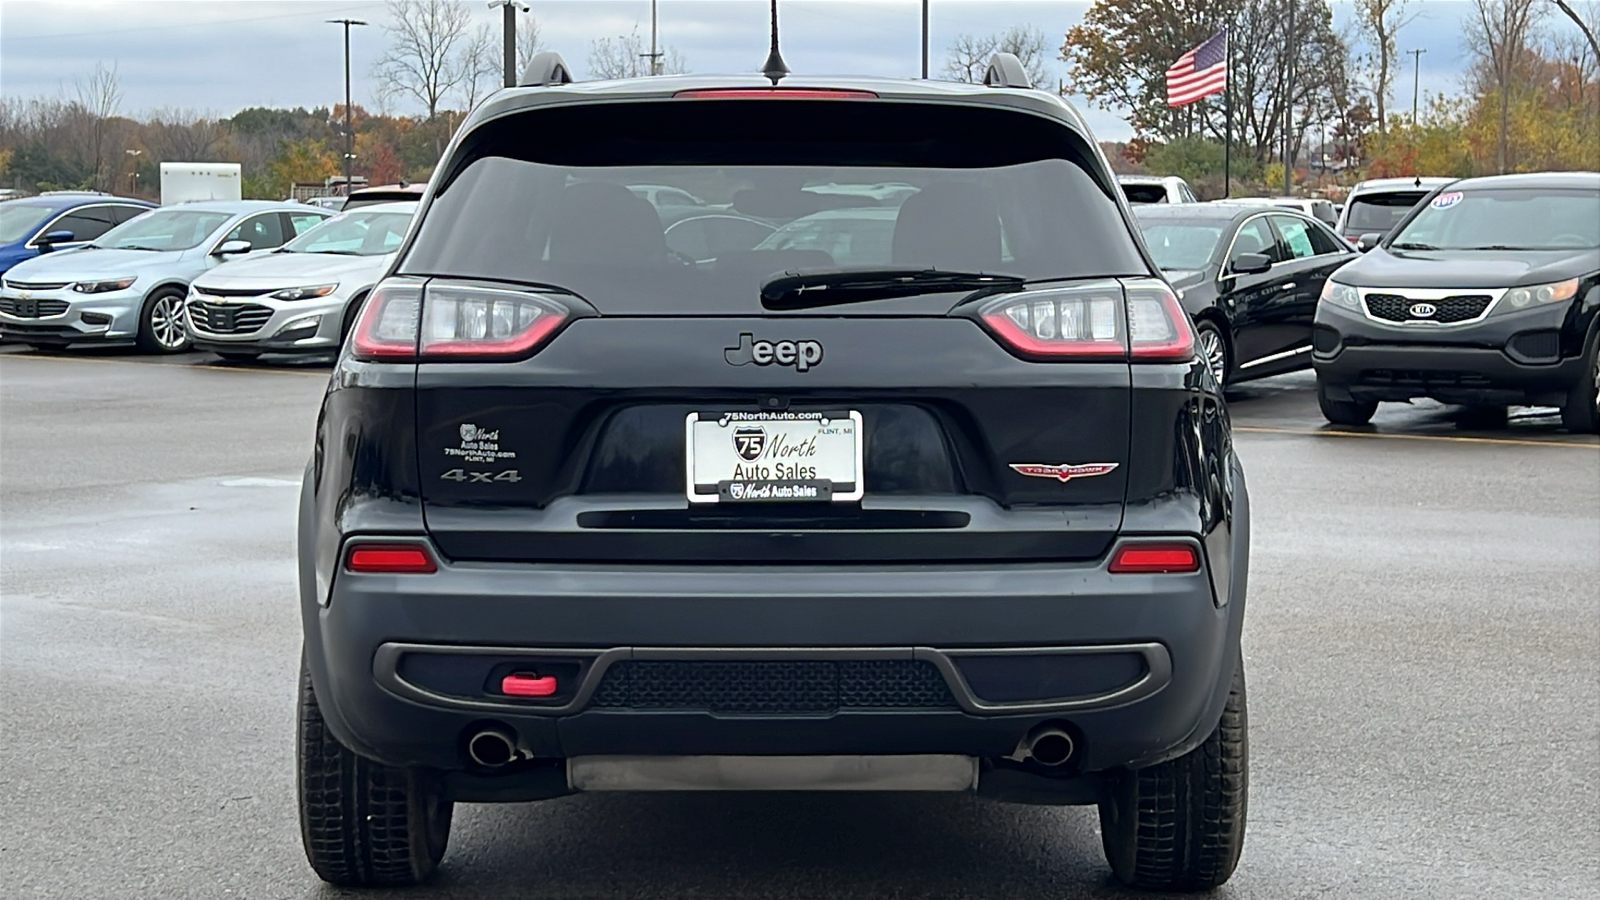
(223, 55)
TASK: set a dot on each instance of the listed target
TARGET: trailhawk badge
(1063, 473)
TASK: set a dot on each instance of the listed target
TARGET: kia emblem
(1423, 310)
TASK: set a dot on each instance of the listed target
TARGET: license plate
(774, 457)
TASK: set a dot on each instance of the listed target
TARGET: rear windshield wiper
(808, 290)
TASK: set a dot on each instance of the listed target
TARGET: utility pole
(509, 9)
(1416, 80)
(924, 40)
(349, 133)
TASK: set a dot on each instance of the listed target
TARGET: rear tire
(1345, 412)
(161, 325)
(1581, 412)
(364, 824)
(1179, 825)
(1215, 350)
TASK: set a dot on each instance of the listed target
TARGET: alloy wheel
(1216, 353)
(166, 322)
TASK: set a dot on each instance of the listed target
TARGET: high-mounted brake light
(398, 559)
(1155, 558)
(774, 94)
(446, 321)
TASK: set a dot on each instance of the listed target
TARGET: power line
(102, 32)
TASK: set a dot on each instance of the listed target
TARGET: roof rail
(1005, 70)
(545, 69)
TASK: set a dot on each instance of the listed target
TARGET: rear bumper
(1137, 667)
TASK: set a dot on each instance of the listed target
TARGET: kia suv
(588, 515)
(1487, 295)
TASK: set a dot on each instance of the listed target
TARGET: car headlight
(103, 286)
(1538, 295)
(304, 293)
(1341, 295)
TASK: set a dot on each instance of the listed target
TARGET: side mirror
(229, 248)
(1369, 240)
(48, 242)
(1250, 264)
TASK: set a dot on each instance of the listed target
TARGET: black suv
(585, 514)
(1487, 294)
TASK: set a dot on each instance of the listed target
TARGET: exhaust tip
(1047, 745)
(492, 748)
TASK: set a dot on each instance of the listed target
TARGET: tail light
(1139, 320)
(398, 559)
(444, 320)
(1153, 557)
(1158, 328)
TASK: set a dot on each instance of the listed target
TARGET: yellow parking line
(1262, 429)
(182, 365)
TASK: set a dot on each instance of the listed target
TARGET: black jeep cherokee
(587, 513)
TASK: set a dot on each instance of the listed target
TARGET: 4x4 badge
(1063, 472)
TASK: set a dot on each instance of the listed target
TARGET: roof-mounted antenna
(774, 68)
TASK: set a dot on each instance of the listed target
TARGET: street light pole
(509, 60)
(349, 134)
(133, 179)
(1416, 80)
(924, 39)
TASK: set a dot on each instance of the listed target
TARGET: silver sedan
(128, 286)
(302, 298)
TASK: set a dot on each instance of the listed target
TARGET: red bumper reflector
(527, 684)
(1155, 558)
(406, 559)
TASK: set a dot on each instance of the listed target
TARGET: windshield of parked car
(566, 210)
(1507, 219)
(164, 229)
(354, 234)
(1377, 213)
(18, 220)
(1182, 245)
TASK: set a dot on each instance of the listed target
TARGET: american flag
(1200, 72)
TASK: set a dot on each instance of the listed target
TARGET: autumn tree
(968, 57)
(1499, 33)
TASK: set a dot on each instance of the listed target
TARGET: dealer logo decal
(1063, 472)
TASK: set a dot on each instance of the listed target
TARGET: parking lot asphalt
(1423, 649)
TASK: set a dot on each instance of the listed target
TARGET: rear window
(559, 197)
(1380, 212)
(1145, 193)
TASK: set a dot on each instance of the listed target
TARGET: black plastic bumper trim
(1157, 672)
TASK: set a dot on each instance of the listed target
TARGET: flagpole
(1227, 115)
